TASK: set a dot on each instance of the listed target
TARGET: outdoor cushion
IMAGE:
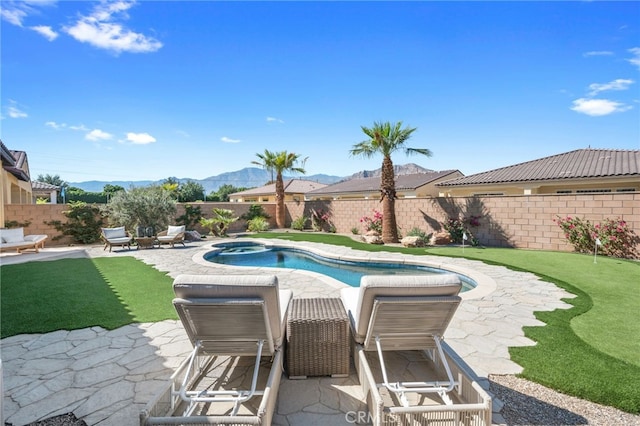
(15, 235)
(175, 230)
(110, 233)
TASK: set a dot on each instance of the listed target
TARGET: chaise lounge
(408, 374)
(173, 235)
(14, 239)
(236, 325)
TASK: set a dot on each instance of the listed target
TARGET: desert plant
(459, 231)
(83, 225)
(150, 206)
(372, 223)
(220, 222)
(320, 219)
(299, 223)
(355, 230)
(257, 224)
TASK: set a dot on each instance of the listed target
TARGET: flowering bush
(320, 220)
(372, 223)
(615, 237)
(458, 229)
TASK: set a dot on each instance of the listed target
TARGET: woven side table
(317, 338)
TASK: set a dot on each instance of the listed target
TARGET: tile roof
(372, 184)
(581, 163)
(292, 186)
(43, 186)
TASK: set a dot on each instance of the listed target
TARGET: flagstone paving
(106, 377)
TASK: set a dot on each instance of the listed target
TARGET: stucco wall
(508, 221)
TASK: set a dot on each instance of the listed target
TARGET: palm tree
(386, 138)
(280, 162)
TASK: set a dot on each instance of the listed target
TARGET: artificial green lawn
(67, 294)
(591, 350)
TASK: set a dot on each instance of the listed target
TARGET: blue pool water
(257, 255)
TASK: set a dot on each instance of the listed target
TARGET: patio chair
(115, 237)
(173, 235)
(232, 321)
(396, 313)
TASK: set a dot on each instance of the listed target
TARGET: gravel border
(528, 403)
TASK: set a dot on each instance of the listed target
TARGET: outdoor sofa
(14, 239)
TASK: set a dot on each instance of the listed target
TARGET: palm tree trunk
(388, 194)
(280, 211)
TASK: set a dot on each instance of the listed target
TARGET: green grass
(591, 350)
(68, 294)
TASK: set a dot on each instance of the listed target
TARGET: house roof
(14, 162)
(293, 186)
(581, 163)
(372, 184)
(43, 186)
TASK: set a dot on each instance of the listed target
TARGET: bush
(373, 223)
(144, 206)
(255, 210)
(615, 237)
(299, 223)
(459, 230)
(355, 230)
(191, 216)
(417, 232)
(220, 222)
(258, 224)
(83, 225)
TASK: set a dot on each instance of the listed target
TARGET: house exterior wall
(13, 191)
(508, 221)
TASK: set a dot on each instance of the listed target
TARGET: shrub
(299, 223)
(372, 223)
(191, 216)
(615, 236)
(149, 206)
(355, 230)
(83, 225)
(257, 224)
(417, 232)
(460, 232)
(220, 222)
(255, 210)
(320, 220)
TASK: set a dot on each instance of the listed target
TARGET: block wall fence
(505, 221)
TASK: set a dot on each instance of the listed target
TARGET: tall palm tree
(280, 162)
(386, 138)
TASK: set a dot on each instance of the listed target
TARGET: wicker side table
(317, 338)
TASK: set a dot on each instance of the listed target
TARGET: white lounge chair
(173, 235)
(392, 313)
(14, 239)
(115, 237)
(231, 320)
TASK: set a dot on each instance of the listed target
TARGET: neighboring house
(45, 190)
(574, 172)
(294, 190)
(407, 186)
(15, 181)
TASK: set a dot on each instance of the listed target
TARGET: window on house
(591, 191)
(564, 191)
(626, 190)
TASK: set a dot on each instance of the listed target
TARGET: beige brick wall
(506, 221)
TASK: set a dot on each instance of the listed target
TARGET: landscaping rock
(412, 242)
(372, 239)
(441, 239)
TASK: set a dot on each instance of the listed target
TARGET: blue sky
(130, 90)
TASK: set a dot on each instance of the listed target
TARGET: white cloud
(636, 59)
(101, 30)
(81, 127)
(97, 135)
(274, 120)
(45, 31)
(15, 12)
(598, 53)
(140, 138)
(54, 125)
(229, 140)
(619, 84)
(598, 107)
(14, 112)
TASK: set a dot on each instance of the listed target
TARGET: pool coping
(485, 285)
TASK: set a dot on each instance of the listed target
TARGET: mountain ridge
(248, 177)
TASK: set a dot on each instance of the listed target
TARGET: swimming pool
(253, 254)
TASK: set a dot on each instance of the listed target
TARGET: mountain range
(249, 177)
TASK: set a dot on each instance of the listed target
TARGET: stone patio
(106, 377)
